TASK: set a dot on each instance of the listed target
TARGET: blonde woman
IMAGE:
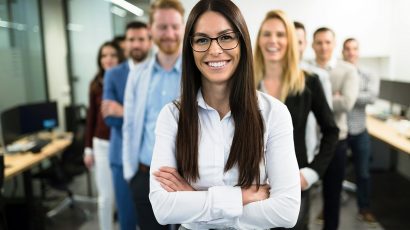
(277, 73)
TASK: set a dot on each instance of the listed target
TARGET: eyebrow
(220, 33)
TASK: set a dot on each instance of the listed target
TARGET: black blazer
(313, 99)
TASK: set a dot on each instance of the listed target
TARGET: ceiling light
(118, 11)
(128, 6)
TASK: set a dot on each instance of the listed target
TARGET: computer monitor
(395, 91)
(38, 117)
(10, 125)
(28, 119)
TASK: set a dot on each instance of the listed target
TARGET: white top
(313, 134)
(217, 203)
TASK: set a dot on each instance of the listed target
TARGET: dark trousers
(303, 218)
(140, 189)
(360, 146)
(332, 187)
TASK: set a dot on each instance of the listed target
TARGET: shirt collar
(131, 64)
(201, 101)
(176, 68)
(203, 105)
(329, 65)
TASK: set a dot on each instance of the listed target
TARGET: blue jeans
(127, 214)
(360, 146)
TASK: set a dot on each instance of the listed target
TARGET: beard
(138, 55)
(169, 46)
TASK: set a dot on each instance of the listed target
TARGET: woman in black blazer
(278, 74)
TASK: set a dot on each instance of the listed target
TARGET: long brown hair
(247, 144)
(293, 80)
(95, 83)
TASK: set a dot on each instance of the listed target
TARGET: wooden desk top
(19, 162)
(384, 132)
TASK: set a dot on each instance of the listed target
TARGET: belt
(143, 168)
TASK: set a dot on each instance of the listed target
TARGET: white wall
(341, 16)
(400, 32)
(381, 26)
(56, 54)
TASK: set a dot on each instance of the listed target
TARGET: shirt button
(164, 93)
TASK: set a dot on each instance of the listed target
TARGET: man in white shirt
(345, 88)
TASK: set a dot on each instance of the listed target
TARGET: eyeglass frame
(216, 39)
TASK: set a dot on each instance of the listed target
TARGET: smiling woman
(278, 74)
(219, 145)
(215, 60)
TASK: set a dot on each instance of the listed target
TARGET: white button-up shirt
(217, 203)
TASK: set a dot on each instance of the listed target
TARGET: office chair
(65, 168)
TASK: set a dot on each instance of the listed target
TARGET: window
(22, 74)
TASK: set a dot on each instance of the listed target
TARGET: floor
(348, 216)
(391, 203)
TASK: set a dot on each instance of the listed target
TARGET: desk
(20, 162)
(384, 132)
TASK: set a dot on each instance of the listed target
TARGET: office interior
(48, 52)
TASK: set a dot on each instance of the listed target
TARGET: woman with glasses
(224, 154)
(277, 73)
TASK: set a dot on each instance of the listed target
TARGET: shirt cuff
(226, 201)
(88, 151)
(310, 176)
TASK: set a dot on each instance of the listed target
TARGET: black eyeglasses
(226, 41)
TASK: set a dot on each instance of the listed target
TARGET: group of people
(206, 133)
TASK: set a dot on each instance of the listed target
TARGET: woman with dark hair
(219, 146)
(277, 73)
(97, 135)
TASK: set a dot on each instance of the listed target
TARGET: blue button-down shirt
(163, 89)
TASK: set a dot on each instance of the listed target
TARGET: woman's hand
(252, 194)
(171, 181)
(89, 160)
(303, 182)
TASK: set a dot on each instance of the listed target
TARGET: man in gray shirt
(345, 88)
(358, 138)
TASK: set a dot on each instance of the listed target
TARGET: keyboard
(38, 145)
(33, 146)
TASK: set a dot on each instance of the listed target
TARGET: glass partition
(22, 72)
